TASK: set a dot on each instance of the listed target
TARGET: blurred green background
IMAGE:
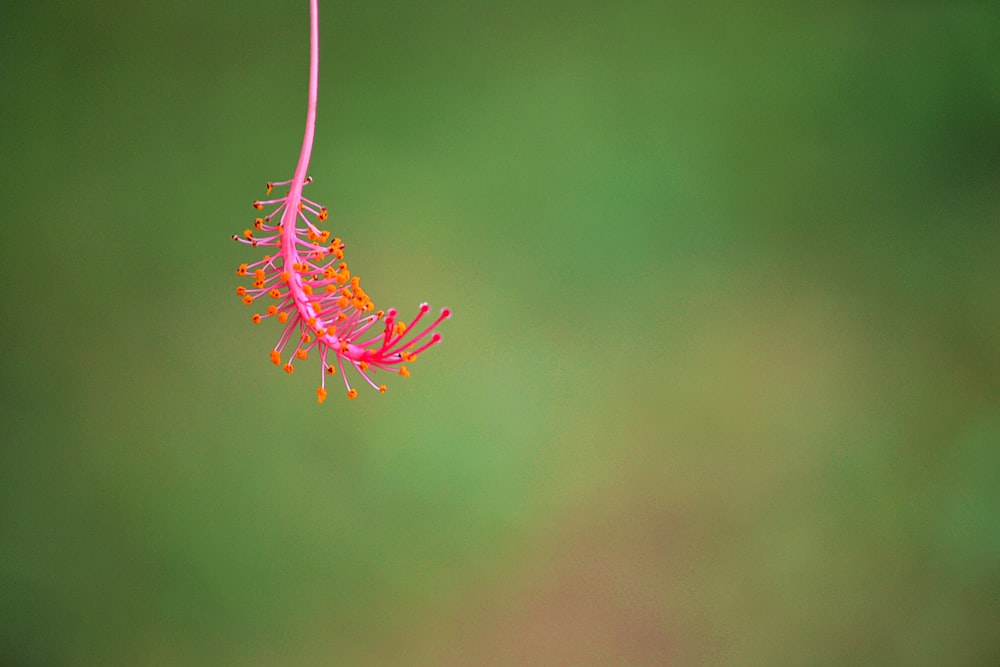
(722, 386)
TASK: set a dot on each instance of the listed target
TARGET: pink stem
(299, 179)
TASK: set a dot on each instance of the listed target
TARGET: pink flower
(308, 287)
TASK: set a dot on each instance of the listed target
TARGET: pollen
(275, 293)
(352, 394)
(301, 354)
(247, 233)
(241, 290)
(275, 357)
(289, 369)
(320, 395)
(258, 224)
(257, 205)
(404, 372)
(330, 370)
(256, 318)
(285, 276)
(381, 389)
(247, 299)
(323, 214)
(242, 271)
(282, 316)
(272, 309)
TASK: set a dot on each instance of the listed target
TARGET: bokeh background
(722, 386)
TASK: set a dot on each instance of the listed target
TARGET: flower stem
(299, 179)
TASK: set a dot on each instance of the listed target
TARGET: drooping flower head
(307, 287)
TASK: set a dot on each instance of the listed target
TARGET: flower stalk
(308, 287)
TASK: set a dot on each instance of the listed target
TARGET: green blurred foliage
(722, 386)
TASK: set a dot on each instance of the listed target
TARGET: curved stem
(298, 180)
(289, 217)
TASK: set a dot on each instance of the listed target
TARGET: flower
(308, 287)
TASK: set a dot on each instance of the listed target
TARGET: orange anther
(289, 369)
(241, 290)
(301, 354)
(352, 394)
(256, 318)
(381, 389)
(247, 234)
(275, 357)
(257, 205)
(320, 395)
(247, 299)
(242, 271)
(272, 309)
(282, 316)
(402, 371)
